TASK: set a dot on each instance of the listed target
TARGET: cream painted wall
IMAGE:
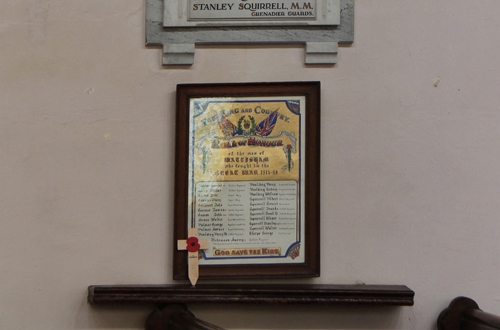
(410, 160)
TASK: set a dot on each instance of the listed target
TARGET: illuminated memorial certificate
(245, 170)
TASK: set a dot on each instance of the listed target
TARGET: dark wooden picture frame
(308, 91)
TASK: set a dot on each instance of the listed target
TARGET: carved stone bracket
(321, 41)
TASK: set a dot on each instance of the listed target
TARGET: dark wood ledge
(395, 295)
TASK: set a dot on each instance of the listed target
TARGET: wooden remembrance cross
(192, 244)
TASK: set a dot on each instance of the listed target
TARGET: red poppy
(192, 244)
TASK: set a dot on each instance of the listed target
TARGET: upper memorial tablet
(186, 13)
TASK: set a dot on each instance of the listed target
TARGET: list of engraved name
(243, 214)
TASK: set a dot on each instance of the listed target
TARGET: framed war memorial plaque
(247, 179)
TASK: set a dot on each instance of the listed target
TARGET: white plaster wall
(410, 160)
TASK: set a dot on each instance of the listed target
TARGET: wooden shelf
(395, 295)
